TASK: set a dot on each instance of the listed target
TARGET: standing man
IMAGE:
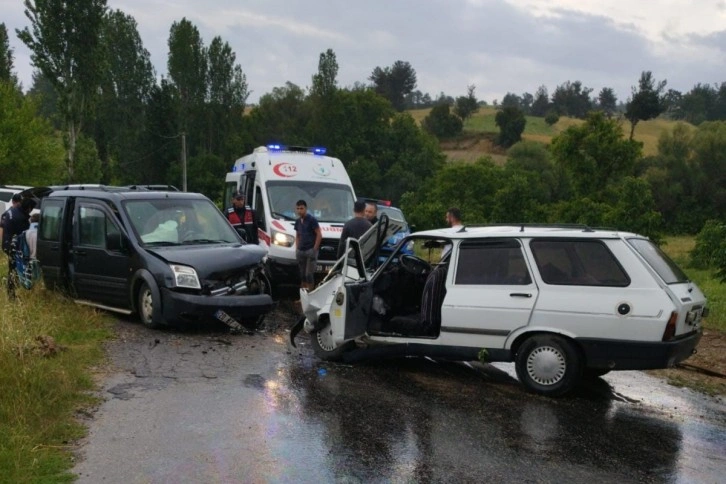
(308, 237)
(354, 227)
(372, 212)
(16, 221)
(453, 220)
(14, 202)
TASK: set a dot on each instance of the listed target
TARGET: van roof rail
(522, 226)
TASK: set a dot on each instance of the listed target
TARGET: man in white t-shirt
(453, 220)
(31, 235)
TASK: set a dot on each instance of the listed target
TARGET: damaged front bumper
(181, 307)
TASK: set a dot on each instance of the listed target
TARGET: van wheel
(146, 304)
(548, 365)
(324, 347)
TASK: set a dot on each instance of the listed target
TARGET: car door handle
(520, 294)
(79, 252)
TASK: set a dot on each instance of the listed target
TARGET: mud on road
(202, 405)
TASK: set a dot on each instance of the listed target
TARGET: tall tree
(125, 92)
(607, 101)
(466, 105)
(572, 99)
(6, 57)
(395, 82)
(187, 66)
(541, 103)
(65, 46)
(227, 97)
(646, 101)
(325, 81)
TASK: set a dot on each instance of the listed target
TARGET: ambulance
(273, 178)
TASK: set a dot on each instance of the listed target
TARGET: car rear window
(577, 262)
(659, 261)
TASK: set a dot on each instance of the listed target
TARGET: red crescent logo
(285, 170)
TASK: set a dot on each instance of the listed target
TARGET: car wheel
(548, 365)
(595, 372)
(325, 348)
(146, 304)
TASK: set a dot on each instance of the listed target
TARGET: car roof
(525, 230)
(107, 192)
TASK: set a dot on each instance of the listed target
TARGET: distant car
(6, 195)
(171, 257)
(561, 302)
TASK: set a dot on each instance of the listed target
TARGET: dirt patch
(706, 370)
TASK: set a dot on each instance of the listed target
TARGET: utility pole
(184, 161)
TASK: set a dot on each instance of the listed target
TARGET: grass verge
(47, 345)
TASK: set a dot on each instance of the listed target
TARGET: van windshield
(659, 261)
(172, 221)
(328, 202)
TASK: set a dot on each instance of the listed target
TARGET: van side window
(260, 210)
(92, 227)
(577, 262)
(496, 262)
(50, 220)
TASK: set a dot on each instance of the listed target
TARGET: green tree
(630, 207)
(534, 158)
(187, 67)
(6, 58)
(466, 105)
(709, 156)
(511, 123)
(65, 46)
(441, 123)
(572, 99)
(46, 99)
(595, 154)
(281, 116)
(30, 152)
(541, 103)
(551, 118)
(125, 92)
(395, 82)
(161, 139)
(325, 81)
(607, 101)
(646, 102)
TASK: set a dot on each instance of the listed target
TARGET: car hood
(212, 259)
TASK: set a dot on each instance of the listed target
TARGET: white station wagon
(561, 302)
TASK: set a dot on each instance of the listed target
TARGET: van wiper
(282, 216)
(160, 243)
(203, 241)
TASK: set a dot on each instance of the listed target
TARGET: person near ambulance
(242, 218)
(308, 237)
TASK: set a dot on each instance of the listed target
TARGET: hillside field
(480, 131)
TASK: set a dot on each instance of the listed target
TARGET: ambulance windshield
(328, 202)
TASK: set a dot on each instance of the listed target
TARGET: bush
(710, 249)
(441, 123)
(551, 117)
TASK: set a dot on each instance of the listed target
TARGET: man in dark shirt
(14, 222)
(308, 237)
(354, 227)
(372, 212)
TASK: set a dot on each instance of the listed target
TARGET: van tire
(146, 303)
(323, 346)
(548, 365)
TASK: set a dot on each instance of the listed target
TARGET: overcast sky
(499, 46)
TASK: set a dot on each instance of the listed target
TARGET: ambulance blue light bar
(319, 150)
(274, 147)
(316, 150)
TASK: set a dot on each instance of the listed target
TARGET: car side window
(50, 220)
(578, 262)
(495, 262)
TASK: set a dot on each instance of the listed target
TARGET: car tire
(324, 347)
(548, 365)
(146, 304)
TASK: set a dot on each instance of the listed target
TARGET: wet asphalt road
(201, 405)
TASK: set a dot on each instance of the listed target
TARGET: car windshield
(659, 261)
(328, 202)
(172, 221)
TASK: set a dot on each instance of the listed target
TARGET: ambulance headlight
(282, 239)
(185, 276)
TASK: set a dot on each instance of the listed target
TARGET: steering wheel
(415, 265)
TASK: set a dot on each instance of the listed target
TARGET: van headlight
(185, 276)
(282, 239)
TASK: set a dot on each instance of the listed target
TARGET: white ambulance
(273, 178)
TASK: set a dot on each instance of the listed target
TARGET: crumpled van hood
(213, 258)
